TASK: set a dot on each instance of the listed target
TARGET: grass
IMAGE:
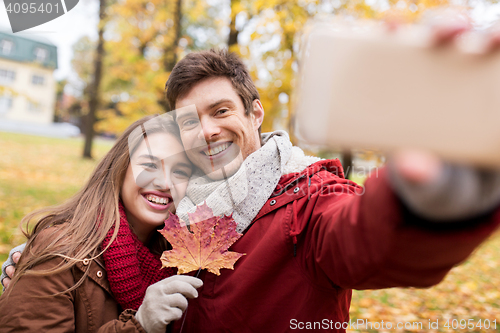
(37, 172)
(469, 291)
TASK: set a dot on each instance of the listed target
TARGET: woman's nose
(161, 180)
(153, 180)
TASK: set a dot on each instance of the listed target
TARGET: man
(310, 236)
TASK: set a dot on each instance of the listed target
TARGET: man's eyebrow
(186, 165)
(151, 157)
(221, 101)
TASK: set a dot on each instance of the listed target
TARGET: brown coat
(89, 308)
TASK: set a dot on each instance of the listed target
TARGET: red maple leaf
(205, 247)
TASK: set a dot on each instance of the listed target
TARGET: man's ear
(257, 113)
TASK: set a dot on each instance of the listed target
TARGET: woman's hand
(9, 266)
(10, 270)
(166, 301)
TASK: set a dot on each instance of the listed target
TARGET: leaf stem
(185, 312)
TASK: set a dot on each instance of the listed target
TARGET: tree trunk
(94, 88)
(233, 33)
(347, 163)
(170, 51)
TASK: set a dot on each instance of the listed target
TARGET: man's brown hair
(198, 66)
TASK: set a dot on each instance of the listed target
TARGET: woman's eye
(149, 165)
(189, 123)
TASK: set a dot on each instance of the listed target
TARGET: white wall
(33, 103)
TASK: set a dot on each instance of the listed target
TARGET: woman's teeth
(216, 150)
(157, 200)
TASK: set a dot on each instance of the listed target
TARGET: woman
(70, 276)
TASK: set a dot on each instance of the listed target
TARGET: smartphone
(363, 86)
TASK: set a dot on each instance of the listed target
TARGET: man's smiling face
(216, 133)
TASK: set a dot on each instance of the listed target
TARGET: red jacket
(316, 238)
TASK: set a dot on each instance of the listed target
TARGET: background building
(27, 84)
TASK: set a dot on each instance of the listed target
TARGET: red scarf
(130, 266)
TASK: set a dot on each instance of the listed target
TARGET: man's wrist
(460, 193)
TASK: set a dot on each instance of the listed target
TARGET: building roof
(22, 49)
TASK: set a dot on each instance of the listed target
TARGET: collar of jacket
(96, 271)
(295, 185)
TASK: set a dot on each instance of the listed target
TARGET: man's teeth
(157, 200)
(216, 150)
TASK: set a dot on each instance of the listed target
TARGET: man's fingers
(10, 270)
(493, 43)
(445, 34)
(417, 167)
(6, 282)
(493, 38)
(446, 24)
(393, 22)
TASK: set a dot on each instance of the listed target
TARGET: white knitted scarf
(244, 193)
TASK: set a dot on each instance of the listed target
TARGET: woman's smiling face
(156, 180)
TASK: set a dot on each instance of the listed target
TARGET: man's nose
(209, 129)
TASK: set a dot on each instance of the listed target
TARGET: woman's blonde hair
(83, 221)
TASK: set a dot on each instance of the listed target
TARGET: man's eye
(149, 165)
(182, 173)
(222, 111)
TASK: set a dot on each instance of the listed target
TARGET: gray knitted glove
(10, 262)
(165, 301)
(461, 192)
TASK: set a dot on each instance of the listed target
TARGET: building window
(41, 54)
(5, 104)
(34, 107)
(7, 76)
(37, 80)
(6, 46)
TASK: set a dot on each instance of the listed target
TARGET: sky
(81, 21)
